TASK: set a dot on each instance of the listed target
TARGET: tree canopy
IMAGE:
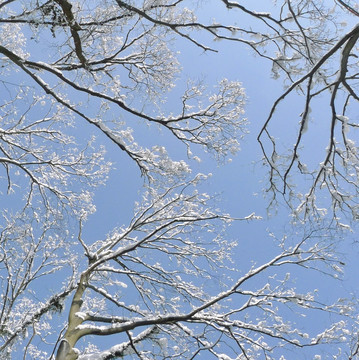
(87, 86)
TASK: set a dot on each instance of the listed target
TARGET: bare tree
(165, 283)
(152, 273)
(324, 70)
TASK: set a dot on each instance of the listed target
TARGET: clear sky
(238, 182)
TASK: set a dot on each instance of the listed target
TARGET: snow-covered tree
(164, 285)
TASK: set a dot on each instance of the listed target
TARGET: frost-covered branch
(168, 283)
(168, 244)
(333, 169)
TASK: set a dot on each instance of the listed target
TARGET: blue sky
(239, 183)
